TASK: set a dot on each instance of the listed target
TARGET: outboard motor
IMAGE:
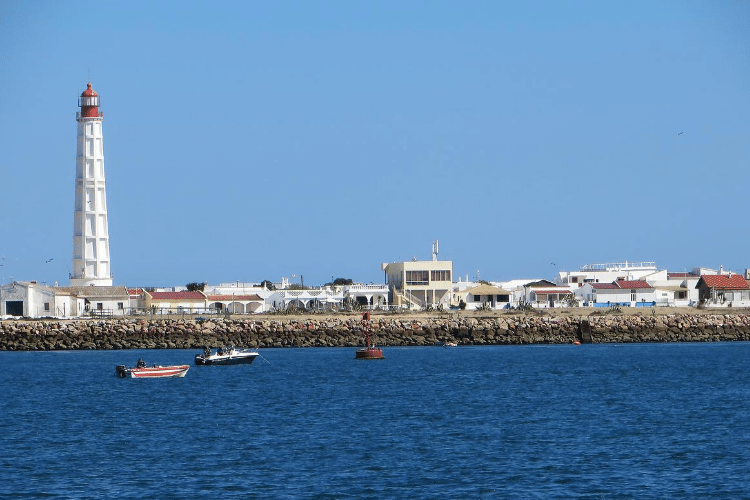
(122, 371)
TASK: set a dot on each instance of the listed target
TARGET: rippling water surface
(592, 421)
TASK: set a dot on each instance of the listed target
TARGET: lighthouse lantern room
(91, 263)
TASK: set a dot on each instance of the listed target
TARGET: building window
(46, 306)
(632, 295)
(440, 275)
(477, 298)
(120, 306)
(417, 277)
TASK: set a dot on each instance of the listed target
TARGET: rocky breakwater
(388, 330)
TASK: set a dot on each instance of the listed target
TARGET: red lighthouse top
(89, 103)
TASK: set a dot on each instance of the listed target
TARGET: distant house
(30, 299)
(544, 293)
(674, 289)
(606, 273)
(314, 299)
(549, 296)
(492, 296)
(237, 304)
(636, 293)
(136, 300)
(686, 294)
(251, 298)
(723, 290)
(175, 302)
(372, 296)
(419, 283)
(102, 301)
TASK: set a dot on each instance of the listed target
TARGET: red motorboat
(140, 370)
(369, 351)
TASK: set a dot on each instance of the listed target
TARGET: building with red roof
(723, 290)
(175, 302)
(628, 293)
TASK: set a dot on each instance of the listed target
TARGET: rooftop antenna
(435, 250)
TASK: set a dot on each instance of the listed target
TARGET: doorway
(14, 307)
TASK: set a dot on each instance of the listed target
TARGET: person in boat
(206, 351)
(140, 363)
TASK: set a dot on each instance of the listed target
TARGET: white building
(674, 289)
(632, 293)
(250, 298)
(537, 293)
(480, 296)
(29, 299)
(101, 301)
(91, 261)
(420, 283)
(372, 296)
(730, 290)
(518, 289)
(183, 302)
(606, 273)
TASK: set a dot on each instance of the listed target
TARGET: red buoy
(369, 351)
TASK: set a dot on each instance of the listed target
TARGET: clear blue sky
(254, 140)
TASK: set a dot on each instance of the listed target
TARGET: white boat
(445, 344)
(140, 370)
(226, 356)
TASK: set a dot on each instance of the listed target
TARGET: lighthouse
(91, 264)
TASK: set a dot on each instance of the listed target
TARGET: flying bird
(48, 261)
(679, 133)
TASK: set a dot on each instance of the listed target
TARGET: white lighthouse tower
(91, 264)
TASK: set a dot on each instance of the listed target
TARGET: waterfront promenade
(550, 326)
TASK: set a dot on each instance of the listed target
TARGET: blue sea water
(591, 421)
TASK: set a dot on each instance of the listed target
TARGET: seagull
(48, 261)
(679, 133)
